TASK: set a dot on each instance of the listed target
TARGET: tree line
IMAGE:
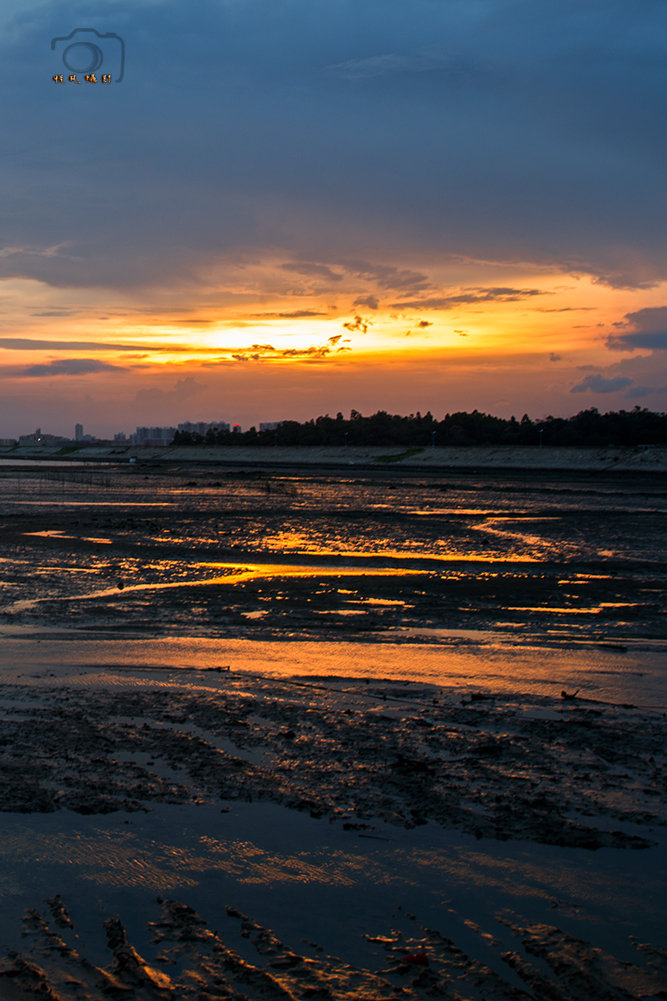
(589, 427)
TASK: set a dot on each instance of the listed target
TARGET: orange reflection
(256, 571)
(300, 543)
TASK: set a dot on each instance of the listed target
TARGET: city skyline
(283, 211)
(138, 436)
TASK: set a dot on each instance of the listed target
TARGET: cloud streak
(70, 366)
(37, 344)
(470, 297)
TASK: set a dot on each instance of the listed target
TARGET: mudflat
(272, 736)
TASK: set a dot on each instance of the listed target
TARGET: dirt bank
(644, 458)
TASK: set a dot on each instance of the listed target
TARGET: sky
(288, 208)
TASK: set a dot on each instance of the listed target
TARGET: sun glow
(554, 313)
(301, 351)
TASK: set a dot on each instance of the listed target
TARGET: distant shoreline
(639, 459)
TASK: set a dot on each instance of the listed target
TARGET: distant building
(121, 436)
(40, 438)
(153, 437)
(269, 425)
(80, 436)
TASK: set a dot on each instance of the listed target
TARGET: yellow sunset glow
(486, 334)
(564, 314)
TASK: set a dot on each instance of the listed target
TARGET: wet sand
(188, 812)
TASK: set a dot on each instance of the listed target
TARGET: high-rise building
(78, 432)
(155, 437)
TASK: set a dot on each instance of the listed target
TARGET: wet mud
(555, 771)
(315, 556)
(190, 960)
(179, 552)
(365, 758)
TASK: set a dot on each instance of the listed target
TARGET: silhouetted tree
(589, 427)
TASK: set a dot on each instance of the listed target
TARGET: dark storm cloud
(495, 130)
(599, 384)
(70, 366)
(645, 328)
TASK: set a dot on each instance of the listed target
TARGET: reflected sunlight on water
(495, 560)
(486, 661)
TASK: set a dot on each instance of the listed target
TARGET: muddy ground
(232, 555)
(560, 772)
(446, 842)
(357, 760)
